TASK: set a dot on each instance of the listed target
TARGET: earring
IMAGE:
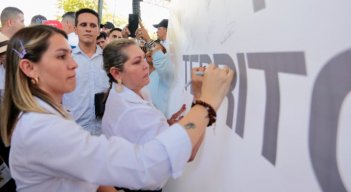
(34, 80)
(119, 86)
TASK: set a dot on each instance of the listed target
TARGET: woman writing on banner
(50, 152)
(129, 111)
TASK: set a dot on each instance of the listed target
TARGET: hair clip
(22, 53)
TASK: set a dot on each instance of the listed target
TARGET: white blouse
(50, 153)
(134, 118)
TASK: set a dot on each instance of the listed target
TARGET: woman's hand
(196, 81)
(215, 85)
(176, 116)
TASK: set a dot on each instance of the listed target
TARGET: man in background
(91, 77)
(68, 26)
(115, 33)
(12, 20)
(38, 20)
(162, 32)
(101, 40)
(107, 27)
(6, 182)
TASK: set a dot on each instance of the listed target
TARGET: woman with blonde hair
(50, 152)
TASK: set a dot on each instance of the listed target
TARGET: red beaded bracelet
(212, 115)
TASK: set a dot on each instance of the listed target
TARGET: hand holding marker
(200, 73)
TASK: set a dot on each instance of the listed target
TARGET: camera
(133, 22)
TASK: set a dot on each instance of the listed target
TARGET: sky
(150, 14)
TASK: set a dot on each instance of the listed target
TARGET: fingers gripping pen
(197, 73)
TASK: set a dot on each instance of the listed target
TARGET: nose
(73, 64)
(146, 65)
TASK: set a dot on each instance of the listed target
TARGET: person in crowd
(91, 77)
(128, 106)
(37, 20)
(107, 27)
(51, 152)
(161, 70)
(101, 40)
(9, 186)
(12, 20)
(162, 32)
(3, 47)
(161, 76)
(115, 33)
(68, 24)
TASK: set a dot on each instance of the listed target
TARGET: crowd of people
(61, 136)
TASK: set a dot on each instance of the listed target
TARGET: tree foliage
(74, 5)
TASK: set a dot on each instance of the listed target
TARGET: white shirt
(73, 39)
(165, 44)
(50, 153)
(129, 116)
(91, 79)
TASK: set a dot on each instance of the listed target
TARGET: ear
(28, 68)
(9, 22)
(115, 73)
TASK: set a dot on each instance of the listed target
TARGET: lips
(88, 35)
(72, 77)
(146, 76)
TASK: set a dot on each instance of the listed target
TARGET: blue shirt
(160, 81)
(91, 79)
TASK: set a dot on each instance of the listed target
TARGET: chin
(70, 89)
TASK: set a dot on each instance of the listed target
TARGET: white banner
(286, 124)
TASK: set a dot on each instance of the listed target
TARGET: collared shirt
(161, 80)
(129, 116)
(165, 44)
(50, 153)
(91, 79)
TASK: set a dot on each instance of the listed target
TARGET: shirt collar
(77, 50)
(49, 108)
(131, 96)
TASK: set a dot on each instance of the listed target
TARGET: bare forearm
(195, 123)
(197, 147)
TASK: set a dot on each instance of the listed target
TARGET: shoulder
(40, 127)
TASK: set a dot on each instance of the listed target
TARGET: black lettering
(330, 89)
(223, 58)
(272, 64)
(240, 118)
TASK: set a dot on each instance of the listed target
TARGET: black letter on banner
(204, 59)
(227, 60)
(330, 89)
(186, 59)
(240, 120)
(259, 5)
(193, 58)
(272, 64)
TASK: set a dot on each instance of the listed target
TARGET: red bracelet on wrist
(212, 115)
